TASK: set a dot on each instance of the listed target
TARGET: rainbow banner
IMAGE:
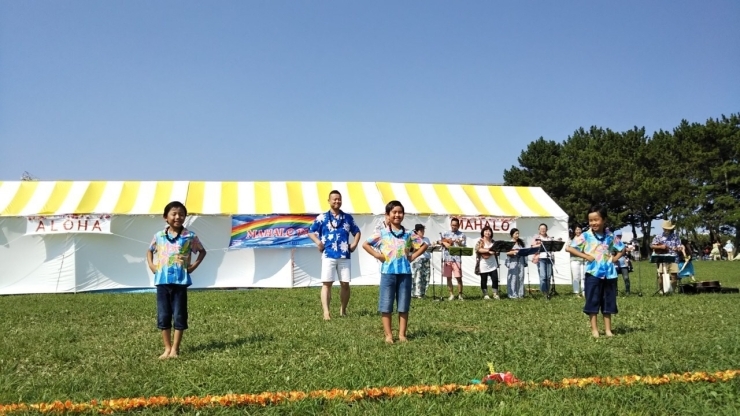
(254, 231)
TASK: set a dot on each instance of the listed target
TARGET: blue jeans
(544, 267)
(172, 302)
(626, 276)
(394, 287)
(515, 280)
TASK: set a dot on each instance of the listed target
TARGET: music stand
(663, 260)
(551, 246)
(436, 249)
(460, 251)
(526, 252)
(638, 248)
(498, 248)
(502, 246)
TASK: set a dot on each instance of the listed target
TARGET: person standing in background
(420, 268)
(453, 264)
(488, 263)
(543, 260)
(577, 267)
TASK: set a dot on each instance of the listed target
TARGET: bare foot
(403, 339)
(173, 354)
(595, 334)
(389, 340)
(165, 355)
(609, 334)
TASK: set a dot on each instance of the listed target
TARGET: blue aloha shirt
(671, 241)
(395, 249)
(454, 236)
(334, 233)
(602, 249)
(172, 258)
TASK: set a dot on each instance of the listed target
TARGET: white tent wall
(117, 261)
(34, 264)
(264, 267)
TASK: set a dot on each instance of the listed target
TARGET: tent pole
(292, 268)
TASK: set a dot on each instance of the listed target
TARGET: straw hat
(667, 225)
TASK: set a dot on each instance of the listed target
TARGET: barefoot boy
(173, 247)
(600, 250)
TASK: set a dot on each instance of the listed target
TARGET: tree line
(690, 175)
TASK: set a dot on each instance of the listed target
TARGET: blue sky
(412, 91)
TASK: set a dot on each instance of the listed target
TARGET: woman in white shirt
(488, 262)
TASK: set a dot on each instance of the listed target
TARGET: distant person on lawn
(730, 249)
(174, 247)
(330, 231)
(667, 243)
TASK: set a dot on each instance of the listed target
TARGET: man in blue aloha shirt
(330, 231)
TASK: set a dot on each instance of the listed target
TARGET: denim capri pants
(600, 294)
(394, 287)
(172, 302)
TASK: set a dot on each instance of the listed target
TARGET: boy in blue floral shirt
(330, 231)
(600, 250)
(174, 247)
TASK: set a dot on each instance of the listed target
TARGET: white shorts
(331, 269)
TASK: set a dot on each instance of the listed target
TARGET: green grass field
(100, 346)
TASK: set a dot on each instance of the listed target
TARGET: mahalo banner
(476, 224)
(66, 224)
(252, 231)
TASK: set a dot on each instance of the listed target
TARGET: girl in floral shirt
(395, 247)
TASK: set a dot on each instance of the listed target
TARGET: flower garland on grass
(265, 399)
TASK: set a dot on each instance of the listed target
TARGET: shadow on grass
(367, 312)
(628, 330)
(441, 333)
(238, 342)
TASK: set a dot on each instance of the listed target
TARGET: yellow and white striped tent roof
(30, 198)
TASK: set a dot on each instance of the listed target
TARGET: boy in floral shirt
(173, 247)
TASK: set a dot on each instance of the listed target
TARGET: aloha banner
(67, 224)
(260, 231)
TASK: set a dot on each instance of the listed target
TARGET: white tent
(57, 262)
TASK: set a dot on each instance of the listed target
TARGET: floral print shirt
(454, 236)
(671, 241)
(397, 247)
(602, 248)
(172, 257)
(334, 233)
